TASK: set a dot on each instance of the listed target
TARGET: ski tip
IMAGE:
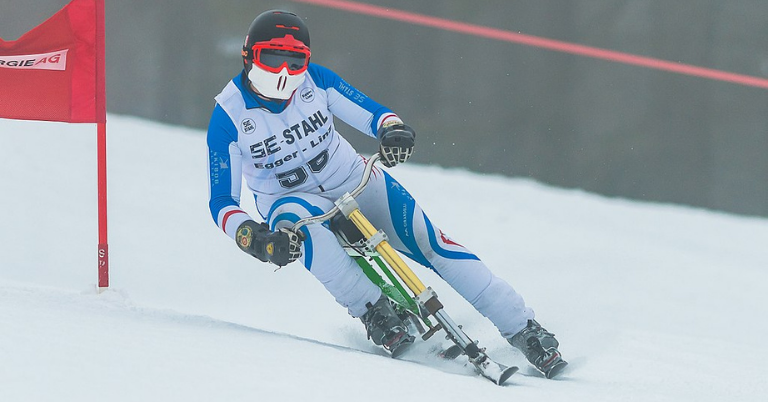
(556, 369)
(506, 374)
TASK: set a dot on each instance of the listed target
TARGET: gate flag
(56, 72)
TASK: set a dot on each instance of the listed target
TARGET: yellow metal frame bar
(388, 254)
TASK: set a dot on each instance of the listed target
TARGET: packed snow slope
(650, 302)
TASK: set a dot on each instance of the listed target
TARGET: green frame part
(393, 289)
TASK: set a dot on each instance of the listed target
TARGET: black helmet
(276, 53)
(270, 25)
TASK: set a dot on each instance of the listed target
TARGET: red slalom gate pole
(101, 145)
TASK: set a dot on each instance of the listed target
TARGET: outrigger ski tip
(498, 373)
(503, 374)
(506, 374)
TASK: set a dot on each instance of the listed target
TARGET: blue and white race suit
(296, 164)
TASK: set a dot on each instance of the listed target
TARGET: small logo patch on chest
(248, 126)
(307, 95)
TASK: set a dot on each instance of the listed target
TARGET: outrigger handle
(359, 189)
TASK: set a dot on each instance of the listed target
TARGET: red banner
(55, 72)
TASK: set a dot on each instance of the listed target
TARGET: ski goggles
(279, 53)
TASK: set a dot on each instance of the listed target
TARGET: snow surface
(650, 302)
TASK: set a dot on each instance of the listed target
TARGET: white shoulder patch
(231, 100)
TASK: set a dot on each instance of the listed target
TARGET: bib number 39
(298, 176)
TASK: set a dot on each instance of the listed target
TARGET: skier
(273, 125)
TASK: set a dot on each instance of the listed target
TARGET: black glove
(280, 248)
(396, 143)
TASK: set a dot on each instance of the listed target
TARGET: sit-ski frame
(424, 301)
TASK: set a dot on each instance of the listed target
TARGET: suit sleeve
(349, 104)
(224, 173)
